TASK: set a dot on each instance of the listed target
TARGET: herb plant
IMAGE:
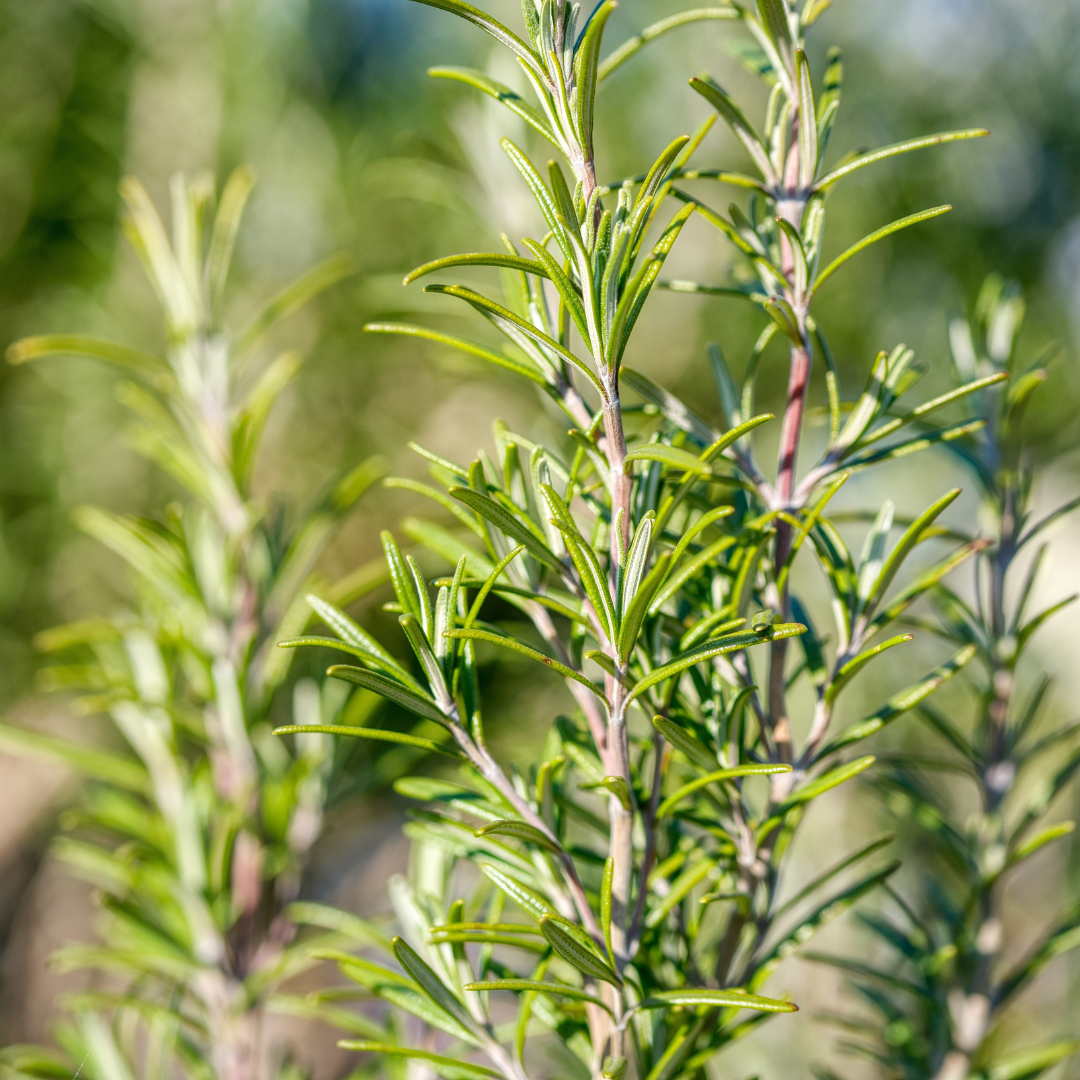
(197, 832)
(954, 967)
(622, 902)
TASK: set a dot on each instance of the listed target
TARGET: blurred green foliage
(354, 149)
(321, 97)
(325, 98)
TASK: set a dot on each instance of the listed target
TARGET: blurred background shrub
(357, 152)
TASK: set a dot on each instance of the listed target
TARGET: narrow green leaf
(695, 873)
(252, 417)
(722, 102)
(856, 856)
(234, 198)
(848, 167)
(912, 535)
(1063, 938)
(499, 313)
(593, 581)
(617, 786)
(774, 18)
(710, 649)
(548, 206)
(446, 545)
(449, 1068)
(1027, 1064)
(688, 570)
(629, 48)
(810, 519)
(681, 739)
(398, 991)
(394, 691)
(829, 102)
(831, 779)
(659, 171)
(569, 293)
(294, 297)
(586, 71)
(1049, 519)
(808, 124)
(375, 660)
(798, 253)
(33, 348)
(824, 913)
(469, 347)
(401, 577)
(555, 989)
(913, 446)
(873, 238)
(634, 613)
(729, 438)
(563, 200)
(421, 645)
(308, 913)
(430, 983)
(899, 703)
(1041, 839)
(490, 26)
(921, 411)
(576, 948)
(519, 830)
(405, 484)
(710, 517)
(699, 782)
(724, 999)
(923, 584)
(680, 414)
(671, 456)
(782, 313)
(510, 98)
(489, 584)
(377, 734)
(532, 654)
(524, 897)
(857, 663)
(491, 258)
(506, 522)
(1023, 635)
(638, 288)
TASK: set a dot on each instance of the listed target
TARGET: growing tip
(20, 351)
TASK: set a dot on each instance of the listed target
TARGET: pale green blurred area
(356, 150)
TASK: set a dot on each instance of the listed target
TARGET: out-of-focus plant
(196, 836)
(938, 1007)
(624, 891)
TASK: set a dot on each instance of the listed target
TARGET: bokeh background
(356, 150)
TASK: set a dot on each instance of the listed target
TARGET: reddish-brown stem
(790, 432)
(798, 384)
(616, 756)
(659, 756)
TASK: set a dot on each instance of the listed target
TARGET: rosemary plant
(957, 964)
(197, 834)
(624, 894)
